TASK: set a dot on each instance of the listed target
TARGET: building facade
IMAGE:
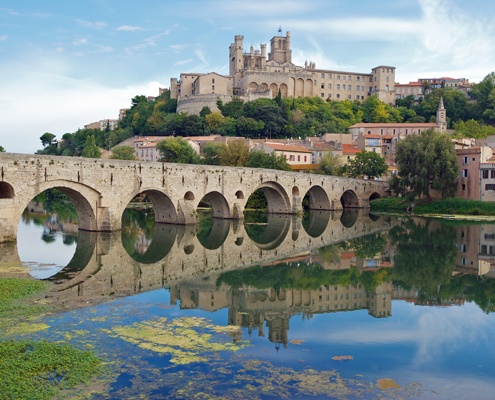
(256, 73)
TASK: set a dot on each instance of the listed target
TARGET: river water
(328, 306)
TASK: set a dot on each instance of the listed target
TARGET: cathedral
(255, 74)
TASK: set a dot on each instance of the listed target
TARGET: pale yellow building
(256, 73)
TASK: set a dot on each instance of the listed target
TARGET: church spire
(441, 116)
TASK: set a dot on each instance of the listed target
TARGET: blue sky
(67, 63)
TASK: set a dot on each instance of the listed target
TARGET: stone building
(255, 74)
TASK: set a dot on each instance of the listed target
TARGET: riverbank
(452, 208)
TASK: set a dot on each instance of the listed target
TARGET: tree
(235, 153)
(177, 150)
(427, 161)
(123, 153)
(330, 164)
(366, 163)
(47, 139)
(2, 150)
(259, 159)
(90, 150)
(211, 153)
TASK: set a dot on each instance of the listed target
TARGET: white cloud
(3, 38)
(80, 42)
(184, 62)
(57, 103)
(129, 28)
(177, 47)
(91, 24)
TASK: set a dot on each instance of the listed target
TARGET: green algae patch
(187, 340)
(15, 294)
(40, 370)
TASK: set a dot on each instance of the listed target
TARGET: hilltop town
(302, 114)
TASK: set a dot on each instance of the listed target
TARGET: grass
(36, 369)
(39, 370)
(451, 206)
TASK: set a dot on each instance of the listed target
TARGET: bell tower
(441, 116)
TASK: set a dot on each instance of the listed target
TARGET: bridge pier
(8, 227)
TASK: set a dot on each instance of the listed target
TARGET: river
(330, 305)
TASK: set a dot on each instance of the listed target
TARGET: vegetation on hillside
(284, 118)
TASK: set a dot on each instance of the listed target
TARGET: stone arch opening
(308, 88)
(295, 191)
(253, 87)
(299, 90)
(55, 216)
(316, 199)
(349, 199)
(375, 196)
(349, 217)
(263, 88)
(274, 89)
(239, 195)
(283, 89)
(157, 203)
(189, 196)
(6, 191)
(277, 200)
(216, 203)
(315, 222)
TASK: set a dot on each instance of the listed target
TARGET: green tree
(473, 129)
(330, 164)
(484, 94)
(232, 109)
(177, 150)
(259, 159)
(427, 161)
(235, 153)
(90, 150)
(2, 150)
(47, 139)
(123, 153)
(211, 153)
(366, 163)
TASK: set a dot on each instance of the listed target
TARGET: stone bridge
(101, 189)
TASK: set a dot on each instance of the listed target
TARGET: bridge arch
(85, 199)
(349, 199)
(318, 198)
(374, 196)
(6, 191)
(276, 196)
(218, 203)
(163, 206)
(272, 234)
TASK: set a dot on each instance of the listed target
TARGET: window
(349, 77)
(357, 97)
(463, 248)
(343, 78)
(484, 173)
(343, 87)
(338, 96)
(305, 158)
(338, 86)
(465, 160)
(358, 78)
(292, 157)
(492, 173)
(212, 80)
(362, 88)
(323, 86)
(464, 173)
(489, 186)
(330, 76)
(338, 77)
(349, 96)
(323, 76)
(323, 95)
(463, 186)
(489, 236)
(329, 85)
(483, 249)
(358, 88)
(298, 158)
(349, 87)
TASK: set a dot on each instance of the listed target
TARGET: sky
(64, 64)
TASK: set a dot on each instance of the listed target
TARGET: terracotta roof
(349, 149)
(303, 166)
(392, 125)
(287, 147)
(372, 136)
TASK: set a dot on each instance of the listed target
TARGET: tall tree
(235, 154)
(90, 150)
(211, 153)
(2, 150)
(47, 139)
(330, 164)
(123, 153)
(177, 150)
(259, 159)
(366, 163)
(427, 161)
